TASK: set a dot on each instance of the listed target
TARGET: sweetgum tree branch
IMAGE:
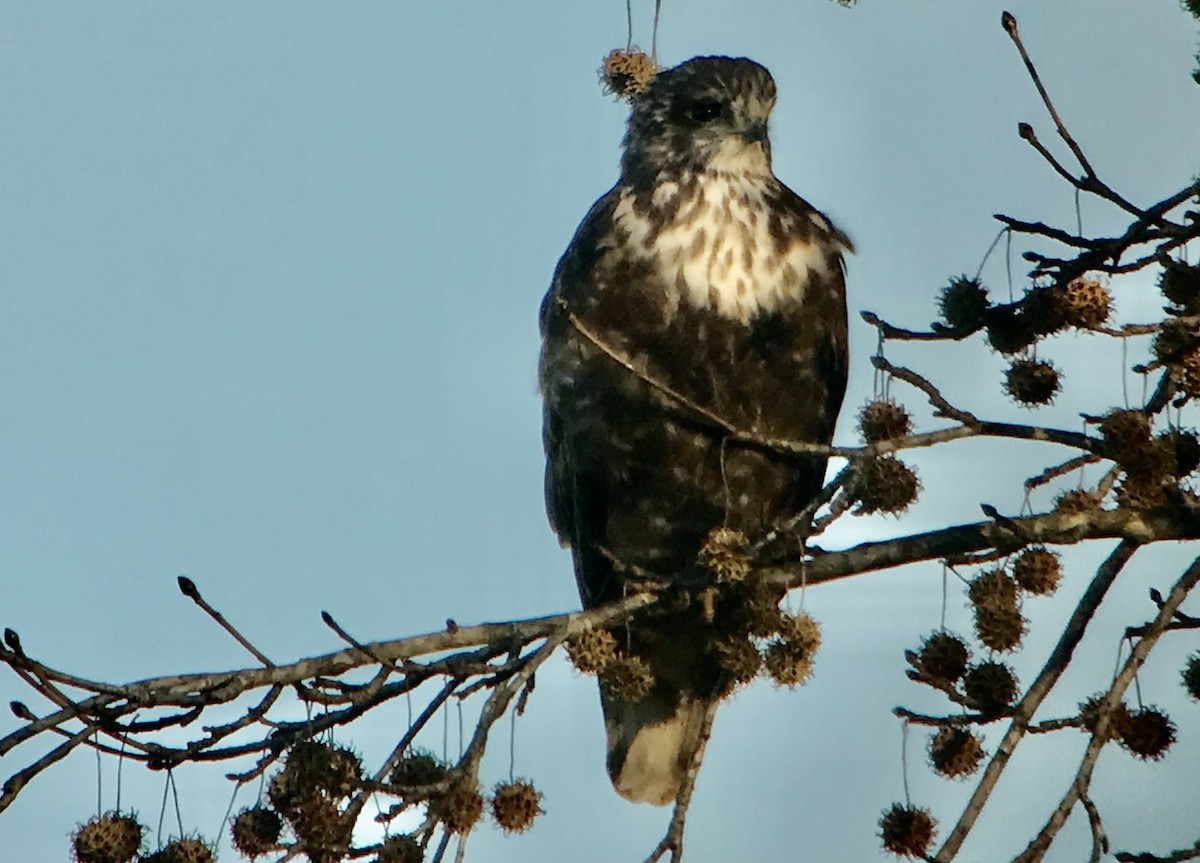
(1059, 659)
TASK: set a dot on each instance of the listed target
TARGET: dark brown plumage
(717, 282)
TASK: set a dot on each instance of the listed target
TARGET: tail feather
(652, 743)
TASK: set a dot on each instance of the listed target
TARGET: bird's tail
(652, 742)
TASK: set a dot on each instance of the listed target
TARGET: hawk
(700, 295)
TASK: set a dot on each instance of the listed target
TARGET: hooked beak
(755, 132)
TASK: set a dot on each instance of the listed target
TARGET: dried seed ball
(591, 650)
(1118, 717)
(1191, 676)
(991, 685)
(515, 805)
(724, 553)
(955, 752)
(1174, 339)
(186, 850)
(1086, 303)
(800, 632)
(1076, 501)
(739, 661)
(419, 767)
(400, 848)
(1124, 432)
(1180, 283)
(1000, 630)
(332, 769)
(1149, 733)
(885, 484)
(626, 73)
(944, 656)
(786, 666)
(1032, 382)
(750, 610)
(963, 302)
(1044, 310)
(1154, 462)
(321, 824)
(461, 808)
(907, 831)
(993, 589)
(1184, 447)
(1140, 493)
(883, 419)
(627, 678)
(108, 838)
(256, 830)
(1010, 332)
(1038, 571)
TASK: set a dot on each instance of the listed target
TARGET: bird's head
(706, 114)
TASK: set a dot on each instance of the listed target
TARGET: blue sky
(269, 286)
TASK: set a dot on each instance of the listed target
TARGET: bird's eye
(703, 110)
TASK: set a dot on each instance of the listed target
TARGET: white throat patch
(718, 253)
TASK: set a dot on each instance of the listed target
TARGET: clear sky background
(269, 278)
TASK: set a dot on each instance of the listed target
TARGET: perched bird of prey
(699, 287)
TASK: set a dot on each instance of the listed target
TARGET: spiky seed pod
(1118, 718)
(1044, 309)
(991, 685)
(955, 752)
(626, 73)
(907, 831)
(785, 666)
(994, 589)
(1149, 733)
(1184, 447)
(334, 770)
(591, 650)
(883, 419)
(1191, 676)
(460, 808)
(1140, 493)
(108, 838)
(1038, 571)
(1124, 432)
(285, 795)
(963, 302)
(256, 831)
(400, 848)
(1175, 338)
(1076, 501)
(1086, 303)
(515, 805)
(1010, 332)
(1153, 462)
(627, 678)
(885, 484)
(1032, 382)
(800, 633)
(323, 827)
(418, 768)
(999, 630)
(944, 656)
(724, 554)
(751, 610)
(186, 850)
(739, 660)
(343, 773)
(1180, 284)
